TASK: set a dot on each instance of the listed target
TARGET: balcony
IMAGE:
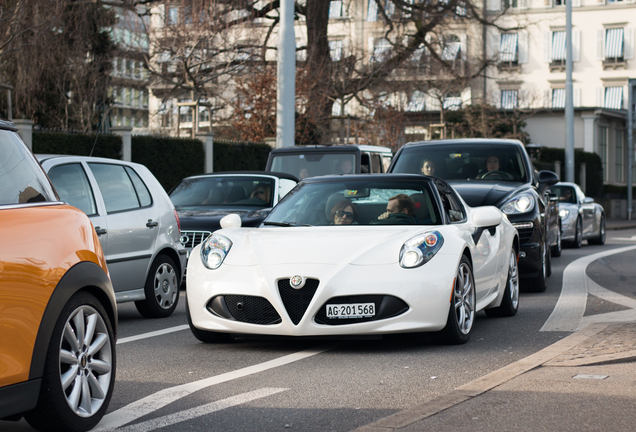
(614, 63)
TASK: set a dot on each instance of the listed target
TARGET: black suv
(497, 172)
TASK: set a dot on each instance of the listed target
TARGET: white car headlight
(214, 250)
(564, 213)
(420, 249)
(521, 204)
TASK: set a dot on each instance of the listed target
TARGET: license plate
(351, 310)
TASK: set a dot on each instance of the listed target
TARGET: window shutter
(600, 97)
(522, 42)
(576, 45)
(463, 45)
(158, 22)
(371, 46)
(523, 4)
(577, 95)
(547, 99)
(600, 44)
(547, 47)
(495, 41)
(576, 3)
(629, 43)
(466, 96)
(494, 5)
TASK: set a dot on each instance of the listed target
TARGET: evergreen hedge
(63, 143)
(593, 167)
(169, 159)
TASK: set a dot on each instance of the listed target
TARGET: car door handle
(152, 224)
(100, 231)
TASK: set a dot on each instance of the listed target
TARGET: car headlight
(520, 204)
(564, 213)
(214, 250)
(420, 249)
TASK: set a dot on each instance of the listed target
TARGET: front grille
(525, 235)
(250, 309)
(190, 239)
(297, 301)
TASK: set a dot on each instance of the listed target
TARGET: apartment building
(531, 73)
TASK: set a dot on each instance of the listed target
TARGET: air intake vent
(297, 301)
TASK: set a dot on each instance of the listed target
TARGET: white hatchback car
(136, 222)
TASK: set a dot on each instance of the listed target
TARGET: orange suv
(58, 316)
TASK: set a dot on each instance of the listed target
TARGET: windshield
(464, 162)
(314, 164)
(566, 194)
(357, 203)
(224, 191)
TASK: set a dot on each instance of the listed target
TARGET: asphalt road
(172, 382)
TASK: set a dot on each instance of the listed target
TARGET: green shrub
(108, 146)
(593, 167)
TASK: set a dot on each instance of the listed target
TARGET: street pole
(285, 94)
(631, 111)
(569, 97)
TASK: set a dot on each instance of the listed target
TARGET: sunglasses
(342, 213)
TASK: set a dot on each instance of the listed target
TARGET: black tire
(510, 302)
(77, 386)
(161, 289)
(558, 248)
(204, 335)
(600, 239)
(461, 315)
(538, 284)
(578, 234)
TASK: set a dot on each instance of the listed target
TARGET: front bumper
(530, 243)
(424, 292)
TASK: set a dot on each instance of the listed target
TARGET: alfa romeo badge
(297, 281)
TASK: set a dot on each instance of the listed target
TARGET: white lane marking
(632, 238)
(202, 410)
(152, 334)
(153, 402)
(570, 307)
(610, 296)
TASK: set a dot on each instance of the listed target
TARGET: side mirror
(231, 221)
(486, 216)
(588, 200)
(547, 178)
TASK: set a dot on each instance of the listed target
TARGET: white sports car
(356, 255)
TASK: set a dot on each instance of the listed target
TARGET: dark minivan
(312, 161)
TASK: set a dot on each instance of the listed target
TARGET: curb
(487, 382)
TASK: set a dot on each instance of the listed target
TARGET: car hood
(355, 245)
(481, 193)
(209, 219)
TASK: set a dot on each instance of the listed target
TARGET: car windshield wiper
(285, 224)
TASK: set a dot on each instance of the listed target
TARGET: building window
(620, 138)
(335, 50)
(509, 99)
(602, 149)
(613, 98)
(381, 50)
(452, 47)
(508, 48)
(558, 98)
(510, 4)
(372, 11)
(418, 102)
(452, 102)
(172, 15)
(558, 48)
(185, 114)
(614, 44)
(336, 9)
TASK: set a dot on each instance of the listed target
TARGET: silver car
(136, 222)
(581, 218)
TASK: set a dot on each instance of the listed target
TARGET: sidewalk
(619, 224)
(584, 382)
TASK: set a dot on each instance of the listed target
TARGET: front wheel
(510, 302)
(538, 284)
(600, 238)
(461, 315)
(79, 369)
(578, 234)
(161, 289)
